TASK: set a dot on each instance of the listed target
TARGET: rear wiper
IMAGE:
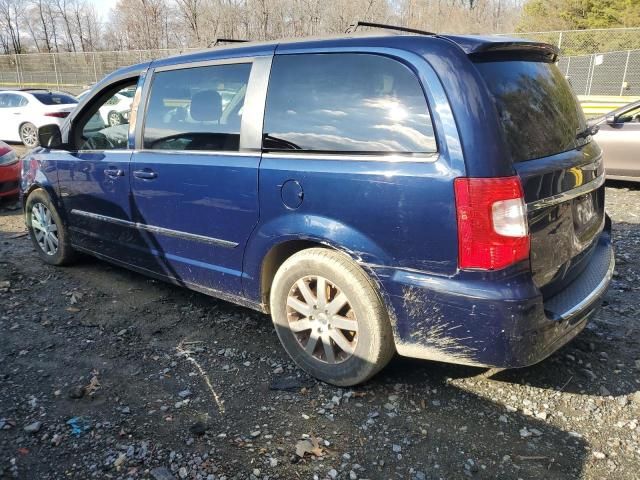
(587, 132)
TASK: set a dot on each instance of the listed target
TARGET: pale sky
(104, 6)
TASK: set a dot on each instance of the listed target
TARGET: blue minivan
(437, 196)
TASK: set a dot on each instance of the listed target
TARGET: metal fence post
(560, 41)
(624, 75)
(18, 81)
(568, 66)
(55, 70)
(95, 70)
(592, 67)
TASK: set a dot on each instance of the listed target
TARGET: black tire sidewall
(64, 252)
(368, 310)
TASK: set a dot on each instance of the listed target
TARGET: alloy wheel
(322, 319)
(29, 135)
(114, 119)
(44, 228)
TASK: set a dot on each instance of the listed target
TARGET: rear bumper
(492, 322)
(9, 180)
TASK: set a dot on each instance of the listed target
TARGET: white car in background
(22, 112)
(114, 112)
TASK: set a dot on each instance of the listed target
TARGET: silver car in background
(619, 138)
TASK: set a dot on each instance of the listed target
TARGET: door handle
(114, 172)
(145, 174)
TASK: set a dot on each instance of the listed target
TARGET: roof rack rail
(354, 26)
(218, 41)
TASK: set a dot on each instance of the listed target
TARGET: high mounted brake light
(492, 223)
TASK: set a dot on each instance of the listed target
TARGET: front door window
(106, 125)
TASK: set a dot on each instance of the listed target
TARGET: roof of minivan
(469, 44)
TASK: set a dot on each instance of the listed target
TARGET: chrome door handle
(114, 172)
(145, 174)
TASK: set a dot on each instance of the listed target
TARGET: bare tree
(63, 10)
(75, 25)
(11, 18)
(189, 11)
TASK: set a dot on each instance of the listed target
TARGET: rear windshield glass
(539, 113)
(51, 98)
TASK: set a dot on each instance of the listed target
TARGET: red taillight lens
(57, 114)
(492, 222)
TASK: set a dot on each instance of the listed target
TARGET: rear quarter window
(538, 112)
(54, 98)
(357, 103)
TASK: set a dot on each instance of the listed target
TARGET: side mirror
(50, 136)
(612, 119)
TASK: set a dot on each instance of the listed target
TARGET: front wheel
(29, 135)
(47, 232)
(329, 317)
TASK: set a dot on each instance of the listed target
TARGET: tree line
(77, 26)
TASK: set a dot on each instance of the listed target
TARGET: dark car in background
(619, 138)
(438, 196)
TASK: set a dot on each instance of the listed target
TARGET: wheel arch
(274, 241)
(38, 181)
(274, 259)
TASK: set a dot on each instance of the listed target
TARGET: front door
(194, 184)
(94, 183)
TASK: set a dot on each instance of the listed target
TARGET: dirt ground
(107, 374)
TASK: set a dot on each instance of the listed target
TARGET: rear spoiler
(505, 48)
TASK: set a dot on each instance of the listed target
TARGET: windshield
(539, 113)
(52, 98)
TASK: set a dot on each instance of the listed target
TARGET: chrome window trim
(204, 63)
(212, 153)
(364, 157)
(123, 151)
(566, 196)
(159, 230)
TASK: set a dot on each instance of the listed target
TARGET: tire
(357, 354)
(29, 135)
(114, 118)
(39, 210)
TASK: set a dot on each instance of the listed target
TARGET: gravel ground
(107, 374)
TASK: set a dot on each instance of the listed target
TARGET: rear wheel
(47, 232)
(29, 135)
(329, 318)
(114, 119)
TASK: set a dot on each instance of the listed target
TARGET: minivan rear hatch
(560, 167)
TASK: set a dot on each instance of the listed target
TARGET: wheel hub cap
(322, 319)
(44, 229)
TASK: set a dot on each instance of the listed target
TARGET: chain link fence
(597, 62)
(70, 71)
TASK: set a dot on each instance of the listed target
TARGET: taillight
(57, 114)
(492, 222)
